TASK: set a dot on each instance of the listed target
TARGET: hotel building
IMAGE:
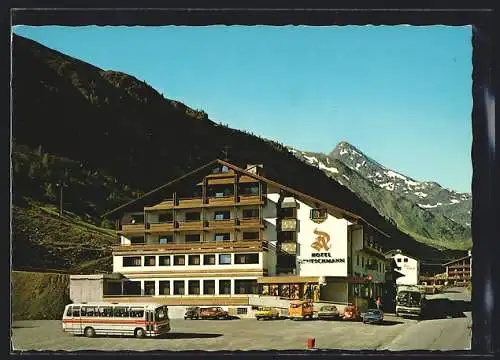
(459, 271)
(221, 233)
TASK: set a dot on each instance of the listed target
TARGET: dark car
(192, 313)
(214, 312)
(372, 316)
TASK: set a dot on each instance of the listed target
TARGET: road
(395, 334)
(449, 327)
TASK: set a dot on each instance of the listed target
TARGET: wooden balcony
(249, 223)
(200, 247)
(250, 200)
(200, 300)
(164, 205)
(190, 203)
(220, 224)
(133, 228)
(221, 201)
(161, 227)
(190, 225)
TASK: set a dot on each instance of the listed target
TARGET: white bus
(135, 319)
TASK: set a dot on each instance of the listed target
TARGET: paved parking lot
(240, 334)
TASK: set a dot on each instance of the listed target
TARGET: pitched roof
(299, 194)
(456, 260)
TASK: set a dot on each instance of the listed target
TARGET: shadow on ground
(446, 308)
(179, 335)
(23, 327)
(390, 322)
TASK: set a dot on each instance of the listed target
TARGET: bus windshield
(161, 313)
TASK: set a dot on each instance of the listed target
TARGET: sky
(401, 94)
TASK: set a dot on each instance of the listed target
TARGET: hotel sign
(322, 253)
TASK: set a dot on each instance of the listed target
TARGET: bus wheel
(140, 333)
(89, 332)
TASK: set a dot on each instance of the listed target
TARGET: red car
(214, 312)
(351, 313)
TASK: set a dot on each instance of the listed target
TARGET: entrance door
(149, 322)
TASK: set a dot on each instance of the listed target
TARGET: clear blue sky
(401, 94)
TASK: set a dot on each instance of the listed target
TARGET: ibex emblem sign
(322, 241)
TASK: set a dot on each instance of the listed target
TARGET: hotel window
(241, 311)
(318, 214)
(166, 239)
(209, 259)
(287, 235)
(193, 216)
(194, 260)
(179, 287)
(250, 235)
(137, 219)
(131, 261)
(164, 287)
(165, 217)
(164, 260)
(149, 287)
(222, 215)
(137, 240)
(250, 213)
(194, 287)
(405, 260)
(398, 260)
(209, 287)
(224, 287)
(246, 287)
(150, 260)
(222, 237)
(192, 238)
(224, 259)
(179, 260)
(249, 189)
(246, 258)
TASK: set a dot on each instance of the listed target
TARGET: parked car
(372, 316)
(351, 313)
(214, 312)
(328, 312)
(301, 310)
(192, 313)
(267, 313)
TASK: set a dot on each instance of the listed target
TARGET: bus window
(83, 311)
(89, 311)
(137, 312)
(107, 311)
(120, 311)
(69, 311)
(76, 311)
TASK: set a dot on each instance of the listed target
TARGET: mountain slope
(120, 126)
(400, 198)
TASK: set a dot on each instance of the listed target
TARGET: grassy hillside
(51, 291)
(43, 240)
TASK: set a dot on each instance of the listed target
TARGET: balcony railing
(137, 228)
(249, 222)
(249, 199)
(159, 227)
(220, 224)
(288, 224)
(189, 202)
(222, 200)
(190, 225)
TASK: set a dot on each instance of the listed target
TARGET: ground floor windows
(150, 260)
(194, 287)
(164, 288)
(224, 259)
(225, 287)
(179, 287)
(132, 288)
(246, 287)
(194, 260)
(131, 261)
(209, 259)
(179, 260)
(164, 260)
(246, 258)
(209, 287)
(149, 288)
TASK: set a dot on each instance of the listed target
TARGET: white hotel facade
(221, 233)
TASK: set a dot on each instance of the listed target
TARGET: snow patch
(357, 166)
(429, 206)
(454, 201)
(420, 194)
(330, 169)
(311, 159)
(345, 176)
(387, 186)
(343, 151)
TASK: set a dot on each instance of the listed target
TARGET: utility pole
(60, 185)
(226, 152)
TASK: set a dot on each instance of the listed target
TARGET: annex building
(222, 234)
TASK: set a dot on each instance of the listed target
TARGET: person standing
(379, 303)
